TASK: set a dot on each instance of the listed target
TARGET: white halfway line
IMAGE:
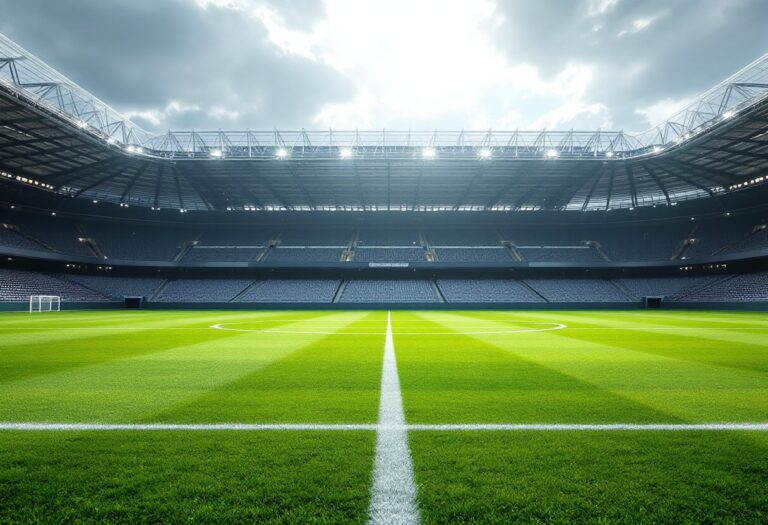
(393, 494)
(510, 427)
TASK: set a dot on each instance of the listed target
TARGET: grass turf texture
(606, 367)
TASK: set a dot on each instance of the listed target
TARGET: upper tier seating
(390, 255)
(477, 254)
(318, 237)
(13, 239)
(757, 240)
(479, 237)
(486, 291)
(292, 291)
(303, 255)
(571, 254)
(202, 254)
(137, 242)
(389, 238)
(231, 237)
(384, 291)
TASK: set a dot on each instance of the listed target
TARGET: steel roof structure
(56, 136)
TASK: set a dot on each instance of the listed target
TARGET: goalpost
(44, 303)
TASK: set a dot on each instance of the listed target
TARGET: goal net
(44, 303)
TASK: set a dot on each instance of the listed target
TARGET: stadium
(382, 326)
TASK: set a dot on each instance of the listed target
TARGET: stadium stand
(291, 291)
(316, 237)
(203, 254)
(487, 291)
(18, 285)
(390, 254)
(474, 254)
(661, 286)
(389, 291)
(295, 254)
(564, 254)
(118, 287)
(387, 237)
(132, 242)
(578, 290)
(14, 239)
(201, 290)
(458, 238)
(742, 287)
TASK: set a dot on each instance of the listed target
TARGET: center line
(393, 496)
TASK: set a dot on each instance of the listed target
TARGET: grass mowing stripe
(393, 494)
(669, 378)
(385, 427)
(322, 379)
(135, 389)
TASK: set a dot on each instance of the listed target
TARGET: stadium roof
(56, 136)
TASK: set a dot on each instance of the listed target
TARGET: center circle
(536, 327)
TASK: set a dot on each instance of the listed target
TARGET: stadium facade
(95, 209)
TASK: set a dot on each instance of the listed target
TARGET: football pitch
(401, 417)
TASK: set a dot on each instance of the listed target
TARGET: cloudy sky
(405, 64)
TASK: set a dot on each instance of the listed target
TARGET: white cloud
(417, 63)
(663, 109)
(600, 7)
(638, 25)
(158, 116)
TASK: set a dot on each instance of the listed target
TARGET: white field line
(448, 332)
(458, 427)
(329, 331)
(393, 494)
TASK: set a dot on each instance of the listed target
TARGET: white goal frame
(44, 303)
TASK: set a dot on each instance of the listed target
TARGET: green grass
(325, 367)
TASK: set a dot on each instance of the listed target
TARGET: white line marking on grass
(334, 427)
(596, 427)
(186, 426)
(449, 331)
(393, 495)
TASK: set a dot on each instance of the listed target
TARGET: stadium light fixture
(428, 153)
(111, 140)
(281, 153)
(657, 149)
(728, 114)
(552, 153)
(82, 123)
(345, 153)
(609, 154)
(216, 154)
(486, 153)
(131, 149)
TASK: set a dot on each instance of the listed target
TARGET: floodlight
(552, 153)
(139, 150)
(485, 153)
(728, 114)
(131, 149)
(216, 154)
(345, 153)
(657, 149)
(428, 153)
(609, 154)
(281, 153)
(111, 140)
(82, 123)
